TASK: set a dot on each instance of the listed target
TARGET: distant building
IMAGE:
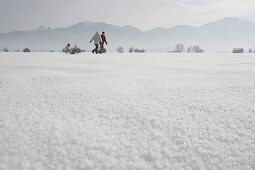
(139, 51)
(26, 50)
(238, 50)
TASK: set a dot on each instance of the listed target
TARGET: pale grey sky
(143, 14)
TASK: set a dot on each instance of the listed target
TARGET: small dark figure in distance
(103, 38)
(96, 38)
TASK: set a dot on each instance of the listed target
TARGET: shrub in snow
(132, 49)
(26, 50)
(120, 50)
(76, 50)
(6, 49)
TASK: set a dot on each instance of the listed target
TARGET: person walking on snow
(96, 38)
(102, 43)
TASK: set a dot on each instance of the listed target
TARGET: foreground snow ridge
(127, 111)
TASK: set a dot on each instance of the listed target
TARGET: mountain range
(218, 36)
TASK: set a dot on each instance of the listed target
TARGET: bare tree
(195, 49)
(120, 49)
(179, 48)
(131, 50)
(189, 49)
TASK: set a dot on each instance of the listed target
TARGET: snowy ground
(127, 111)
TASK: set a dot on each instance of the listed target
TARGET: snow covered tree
(189, 49)
(195, 49)
(132, 49)
(179, 48)
(6, 49)
(120, 50)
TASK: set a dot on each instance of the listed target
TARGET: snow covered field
(127, 111)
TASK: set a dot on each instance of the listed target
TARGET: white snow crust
(127, 111)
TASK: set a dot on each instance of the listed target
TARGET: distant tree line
(179, 48)
(131, 50)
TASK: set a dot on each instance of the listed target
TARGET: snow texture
(127, 111)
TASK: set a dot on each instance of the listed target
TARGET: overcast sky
(143, 14)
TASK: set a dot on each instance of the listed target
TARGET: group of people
(98, 40)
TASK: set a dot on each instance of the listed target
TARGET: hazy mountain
(43, 28)
(222, 35)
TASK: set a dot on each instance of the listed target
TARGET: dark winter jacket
(103, 39)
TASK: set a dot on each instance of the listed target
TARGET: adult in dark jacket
(103, 38)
